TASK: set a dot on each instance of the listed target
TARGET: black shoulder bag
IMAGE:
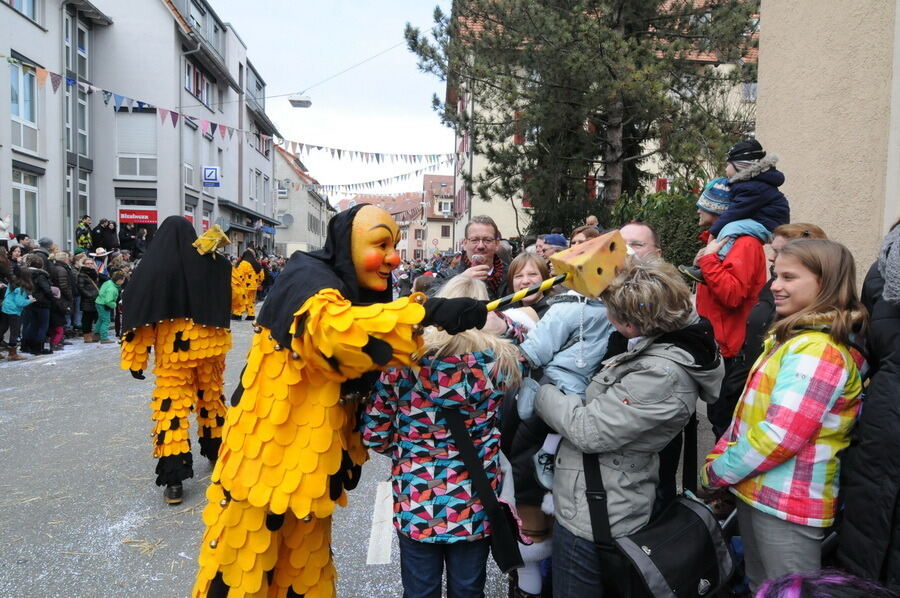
(504, 529)
(682, 553)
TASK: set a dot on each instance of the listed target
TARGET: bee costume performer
(246, 278)
(178, 303)
(290, 447)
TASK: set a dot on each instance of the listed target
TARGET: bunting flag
(107, 96)
(378, 183)
(222, 129)
(130, 103)
(230, 133)
(118, 101)
(174, 116)
(299, 147)
(204, 126)
(163, 115)
(70, 81)
(212, 128)
(55, 80)
(41, 74)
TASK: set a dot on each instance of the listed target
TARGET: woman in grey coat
(637, 403)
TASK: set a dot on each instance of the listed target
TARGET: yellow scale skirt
(284, 439)
(244, 283)
(179, 375)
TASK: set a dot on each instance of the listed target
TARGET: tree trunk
(613, 154)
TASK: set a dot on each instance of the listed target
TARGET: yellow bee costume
(177, 304)
(291, 447)
(246, 278)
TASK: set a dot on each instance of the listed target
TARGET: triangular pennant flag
(41, 75)
(204, 126)
(230, 132)
(55, 80)
(107, 96)
(212, 128)
(174, 116)
(70, 81)
(339, 154)
(130, 103)
(222, 131)
(141, 105)
(119, 99)
(163, 115)
(240, 133)
(332, 152)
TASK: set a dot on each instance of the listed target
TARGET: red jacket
(731, 290)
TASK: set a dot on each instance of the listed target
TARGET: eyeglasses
(477, 240)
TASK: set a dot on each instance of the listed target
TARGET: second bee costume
(246, 278)
(177, 304)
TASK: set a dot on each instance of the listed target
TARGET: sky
(383, 105)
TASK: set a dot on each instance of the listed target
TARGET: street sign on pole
(434, 242)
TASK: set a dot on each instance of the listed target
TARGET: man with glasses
(480, 259)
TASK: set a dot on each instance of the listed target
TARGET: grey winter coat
(634, 406)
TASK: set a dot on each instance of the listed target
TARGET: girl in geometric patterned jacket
(438, 516)
(780, 454)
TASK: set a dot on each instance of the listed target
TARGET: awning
(91, 12)
(236, 207)
(246, 229)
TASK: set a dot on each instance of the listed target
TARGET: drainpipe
(62, 118)
(181, 72)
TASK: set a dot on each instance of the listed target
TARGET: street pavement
(81, 517)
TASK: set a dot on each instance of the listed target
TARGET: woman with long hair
(779, 456)
(404, 422)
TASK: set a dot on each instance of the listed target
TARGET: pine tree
(570, 91)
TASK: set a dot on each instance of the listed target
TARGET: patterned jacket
(433, 497)
(780, 454)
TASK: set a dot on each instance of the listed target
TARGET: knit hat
(79, 250)
(743, 151)
(716, 197)
(556, 240)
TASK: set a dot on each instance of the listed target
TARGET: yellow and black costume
(177, 303)
(291, 446)
(246, 278)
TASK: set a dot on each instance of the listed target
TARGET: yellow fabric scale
(245, 281)
(268, 521)
(189, 368)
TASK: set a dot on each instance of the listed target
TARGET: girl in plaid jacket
(780, 454)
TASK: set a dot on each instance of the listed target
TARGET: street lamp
(300, 101)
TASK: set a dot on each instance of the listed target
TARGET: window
(25, 202)
(67, 40)
(420, 234)
(404, 234)
(220, 161)
(748, 92)
(76, 203)
(189, 152)
(445, 231)
(445, 206)
(209, 159)
(82, 40)
(23, 106)
(26, 7)
(78, 107)
(251, 186)
(196, 17)
(259, 185)
(418, 254)
(267, 190)
(136, 141)
(199, 85)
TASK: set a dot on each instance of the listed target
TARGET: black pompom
(274, 521)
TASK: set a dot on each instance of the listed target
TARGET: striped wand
(519, 295)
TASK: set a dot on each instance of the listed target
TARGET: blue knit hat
(556, 240)
(716, 197)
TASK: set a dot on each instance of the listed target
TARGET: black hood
(698, 340)
(248, 257)
(307, 273)
(174, 281)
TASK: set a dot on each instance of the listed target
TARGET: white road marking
(382, 526)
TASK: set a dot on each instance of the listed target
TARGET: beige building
(829, 106)
(303, 214)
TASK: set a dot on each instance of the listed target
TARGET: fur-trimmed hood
(763, 166)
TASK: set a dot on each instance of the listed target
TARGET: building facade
(121, 110)
(829, 106)
(302, 212)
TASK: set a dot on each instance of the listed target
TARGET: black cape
(174, 281)
(248, 257)
(307, 273)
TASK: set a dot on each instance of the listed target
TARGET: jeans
(422, 568)
(87, 321)
(101, 327)
(576, 566)
(35, 322)
(13, 324)
(774, 547)
(721, 412)
(76, 312)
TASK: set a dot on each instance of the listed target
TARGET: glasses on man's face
(479, 240)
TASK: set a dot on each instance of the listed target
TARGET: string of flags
(379, 183)
(168, 115)
(299, 147)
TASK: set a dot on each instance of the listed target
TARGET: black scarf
(174, 281)
(308, 273)
(248, 257)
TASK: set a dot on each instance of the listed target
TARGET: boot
(14, 355)
(90, 338)
(174, 493)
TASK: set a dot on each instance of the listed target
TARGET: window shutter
(136, 133)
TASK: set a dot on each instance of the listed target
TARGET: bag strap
(596, 501)
(689, 456)
(474, 465)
